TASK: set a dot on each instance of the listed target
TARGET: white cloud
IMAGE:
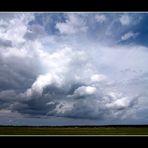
(130, 19)
(97, 77)
(43, 81)
(58, 68)
(119, 103)
(9, 31)
(125, 19)
(100, 18)
(85, 90)
(63, 107)
(74, 24)
(129, 35)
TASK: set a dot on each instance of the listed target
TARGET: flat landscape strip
(73, 131)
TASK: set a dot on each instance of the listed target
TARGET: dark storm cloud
(44, 104)
(8, 95)
(56, 102)
(15, 74)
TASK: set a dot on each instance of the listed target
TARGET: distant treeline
(77, 126)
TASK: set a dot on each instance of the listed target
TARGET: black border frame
(73, 6)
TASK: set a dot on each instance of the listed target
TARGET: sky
(73, 68)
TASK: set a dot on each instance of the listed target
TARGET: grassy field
(73, 131)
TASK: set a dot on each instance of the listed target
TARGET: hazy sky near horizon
(73, 68)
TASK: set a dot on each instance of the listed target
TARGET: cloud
(82, 94)
(129, 35)
(5, 43)
(100, 18)
(85, 90)
(125, 20)
(130, 19)
(97, 78)
(35, 32)
(9, 31)
(58, 91)
(73, 24)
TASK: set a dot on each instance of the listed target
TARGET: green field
(73, 131)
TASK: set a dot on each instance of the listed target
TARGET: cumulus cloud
(129, 35)
(9, 31)
(72, 25)
(85, 90)
(125, 19)
(128, 20)
(100, 18)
